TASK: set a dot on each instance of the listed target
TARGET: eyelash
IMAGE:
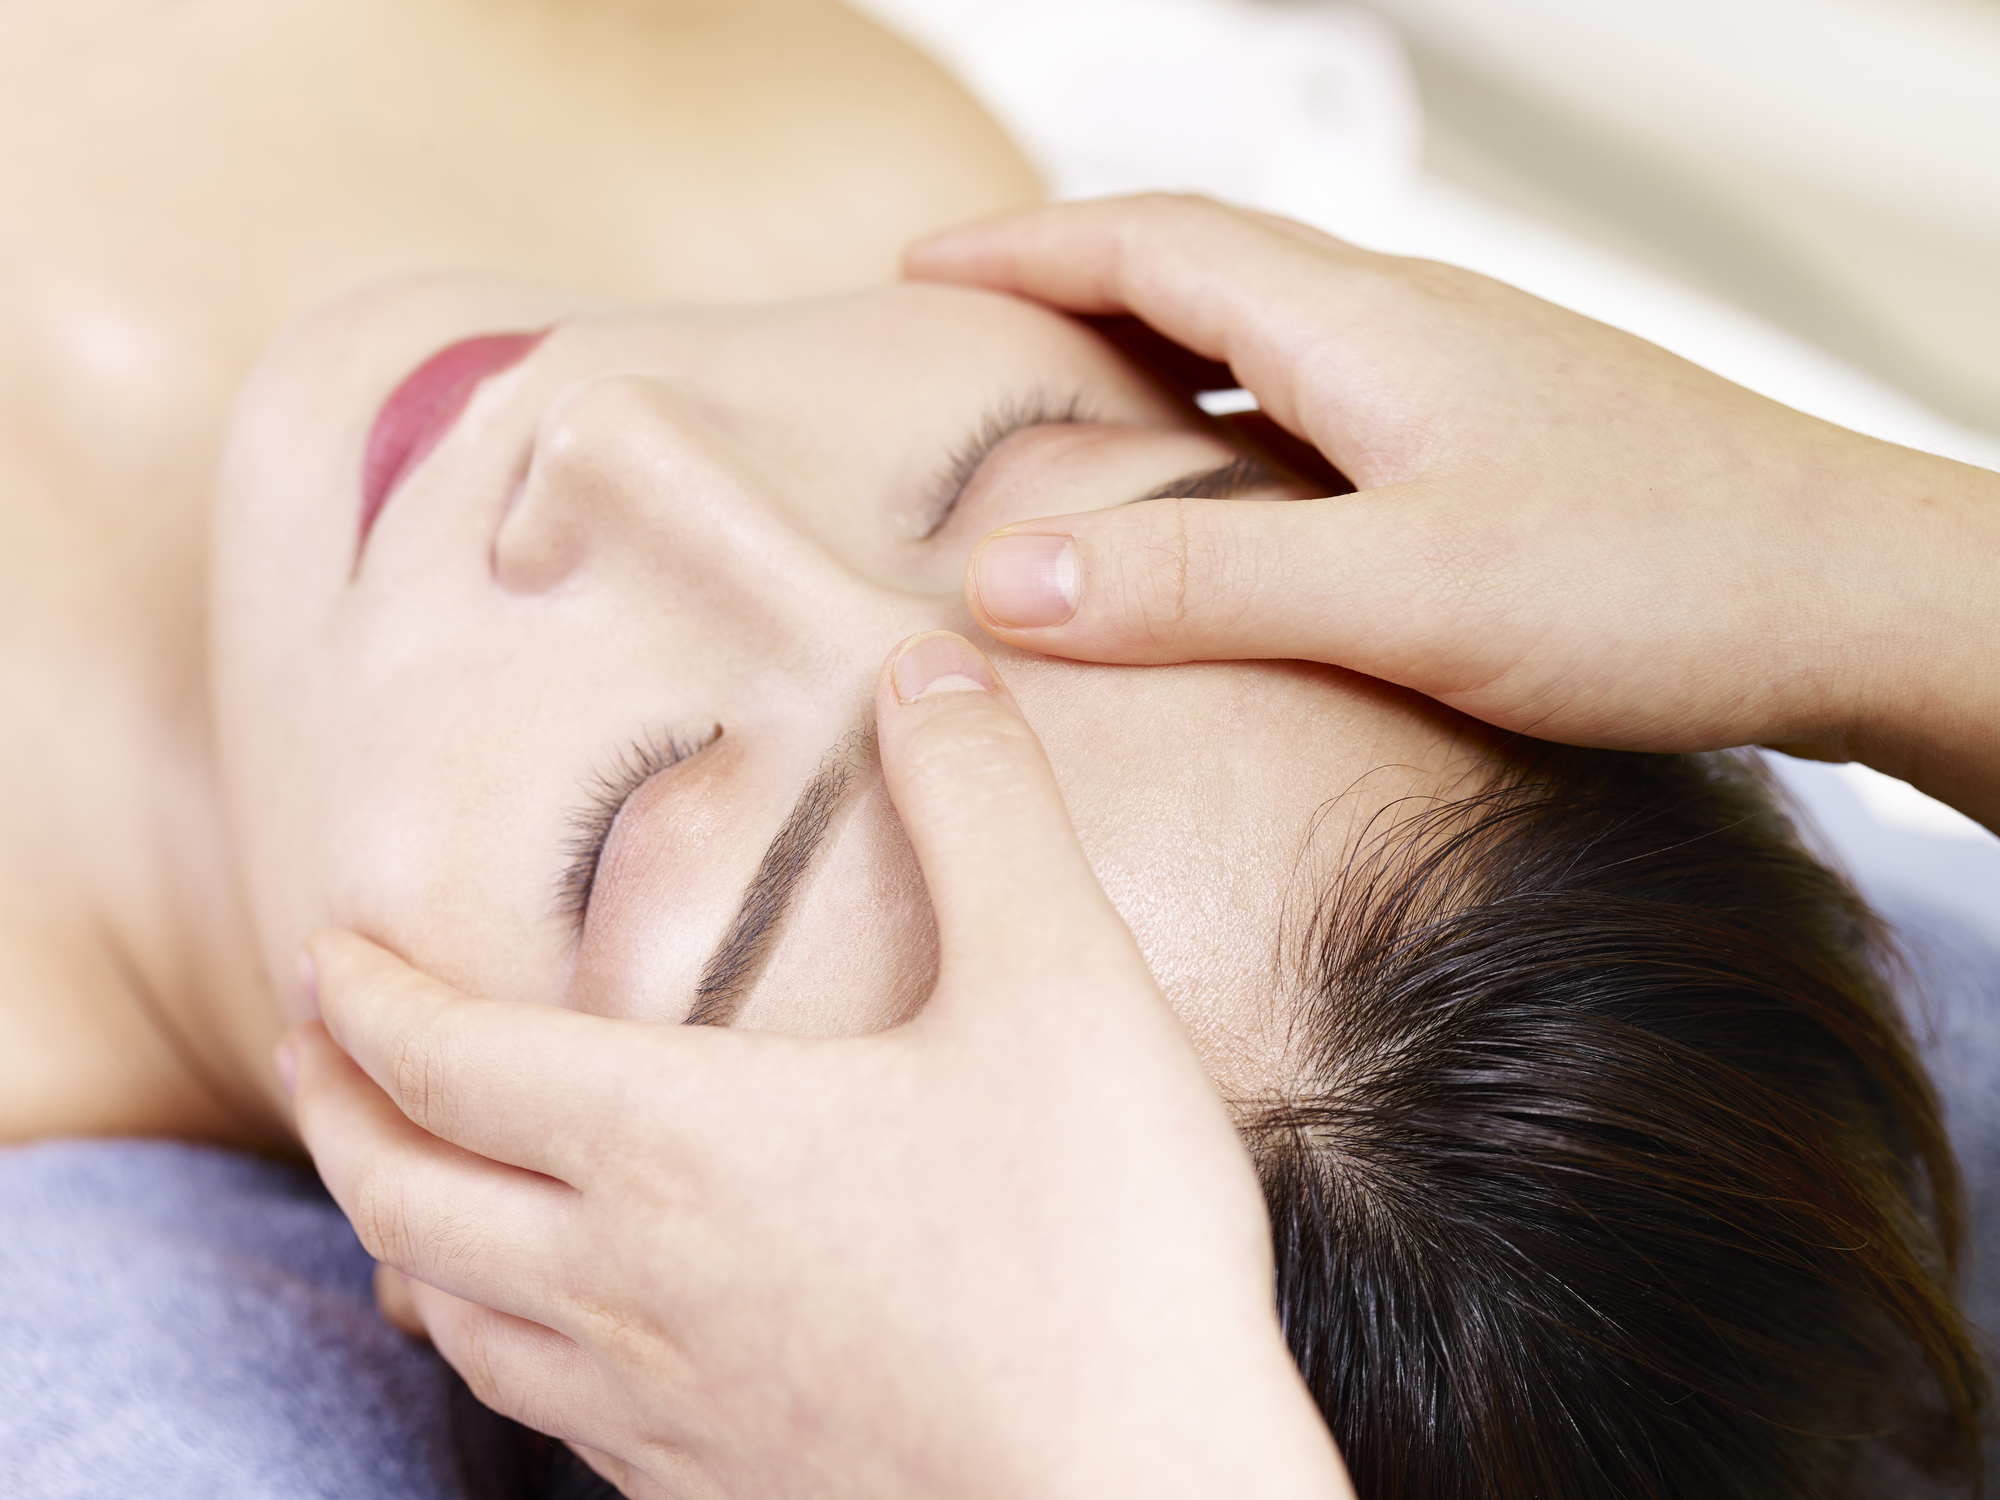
(645, 758)
(1039, 408)
(609, 790)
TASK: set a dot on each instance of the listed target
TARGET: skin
(136, 970)
(732, 1262)
(142, 989)
(1557, 526)
(180, 182)
(711, 527)
(185, 179)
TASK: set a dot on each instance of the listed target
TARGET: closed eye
(1240, 476)
(1016, 414)
(609, 790)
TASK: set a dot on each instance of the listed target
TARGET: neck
(186, 934)
(130, 997)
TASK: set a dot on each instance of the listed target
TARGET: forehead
(1256, 776)
(1211, 799)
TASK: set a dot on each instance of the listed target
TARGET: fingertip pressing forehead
(1214, 802)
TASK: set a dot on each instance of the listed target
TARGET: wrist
(1926, 704)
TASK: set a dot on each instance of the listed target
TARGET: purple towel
(184, 1323)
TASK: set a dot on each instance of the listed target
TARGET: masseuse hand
(1560, 529)
(1012, 1248)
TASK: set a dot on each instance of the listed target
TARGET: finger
(1109, 255)
(515, 1083)
(1262, 295)
(1394, 583)
(613, 1471)
(425, 1206)
(517, 1367)
(397, 1306)
(973, 787)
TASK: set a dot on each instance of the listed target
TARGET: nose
(636, 483)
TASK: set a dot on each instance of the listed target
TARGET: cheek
(283, 531)
(432, 871)
(407, 814)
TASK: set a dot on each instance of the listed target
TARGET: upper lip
(421, 410)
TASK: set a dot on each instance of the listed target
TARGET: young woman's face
(607, 655)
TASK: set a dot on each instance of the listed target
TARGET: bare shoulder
(79, 1054)
(654, 148)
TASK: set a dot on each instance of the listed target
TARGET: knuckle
(1149, 220)
(478, 1362)
(1191, 578)
(417, 1078)
(514, 1378)
(377, 1214)
(455, 1240)
(1434, 278)
(1177, 208)
(1156, 577)
(1456, 302)
(611, 1330)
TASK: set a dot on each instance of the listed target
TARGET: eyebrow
(737, 961)
(740, 957)
(1239, 476)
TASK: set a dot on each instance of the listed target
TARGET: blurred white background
(1833, 165)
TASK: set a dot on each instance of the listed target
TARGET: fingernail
(1025, 581)
(940, 662)
(286, 1056)
(309, 984)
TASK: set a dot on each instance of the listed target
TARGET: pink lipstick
(422, 409)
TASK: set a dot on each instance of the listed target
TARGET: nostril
(515, 493)
(611, 463)
(546, 523)
(636, 479)
(532, 556)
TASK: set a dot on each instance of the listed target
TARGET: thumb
(1349, 580)
(1008, 881)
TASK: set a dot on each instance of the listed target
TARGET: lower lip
(423, 408)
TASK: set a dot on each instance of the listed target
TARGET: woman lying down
(542, 642)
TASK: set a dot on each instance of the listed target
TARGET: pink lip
(422, 409)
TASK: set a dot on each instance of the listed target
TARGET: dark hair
(1616, 1174)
